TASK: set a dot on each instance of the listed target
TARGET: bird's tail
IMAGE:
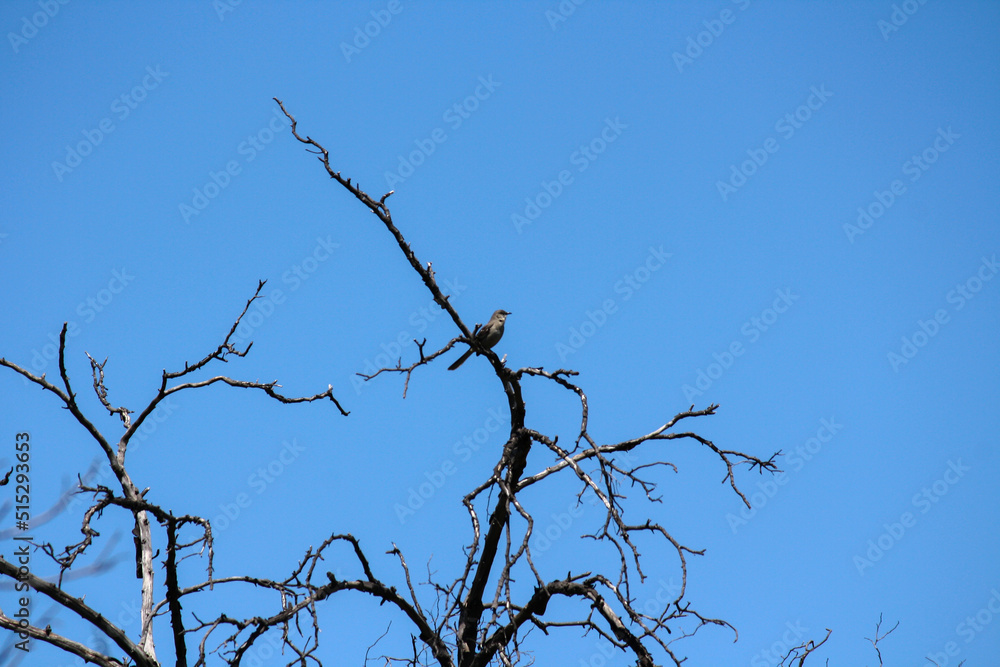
(460, 360)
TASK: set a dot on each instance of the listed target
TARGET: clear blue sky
(786, 208)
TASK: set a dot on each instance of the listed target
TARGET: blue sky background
(107, 245)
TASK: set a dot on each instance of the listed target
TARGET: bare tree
(481, 614)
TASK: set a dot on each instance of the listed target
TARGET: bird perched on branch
(488, 336)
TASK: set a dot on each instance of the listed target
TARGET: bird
(488, 336)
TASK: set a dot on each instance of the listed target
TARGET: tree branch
(77, 606)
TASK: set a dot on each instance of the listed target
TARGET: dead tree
(482, 614)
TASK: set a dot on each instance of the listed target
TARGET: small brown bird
(488, 336)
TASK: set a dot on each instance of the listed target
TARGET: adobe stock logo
(786, 126)
(223, 7)
(30, 28)
(259, 480)
(714, 28)
(455, 115)
(545, 536)
(927, 329)
(773, 655)
(604, 653)
(436, 478)
(88, 309)
(924, 501)
(581, 158)
(264, 306)
(914, 168)
(968, 630)
(362, 38)
(566, 8)
(628, 286)
(218, 181)
(420, 320)
(122, 106)
(796, 459)
(900, 15)
(753, 329)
